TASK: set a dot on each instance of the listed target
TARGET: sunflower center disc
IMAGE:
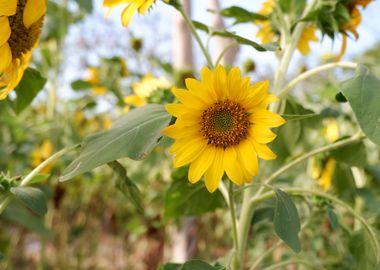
(225, 124)
(22, 39)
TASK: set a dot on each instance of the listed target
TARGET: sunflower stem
(196, 36)
(313, 72)
(233, 215)
(36, 170)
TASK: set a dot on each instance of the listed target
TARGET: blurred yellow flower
(134, 5)
(41, 154)
(144, 89)
(325, 179)
(222, 126)
(267, 35)
(356, 19)
(332, 130)
(93, 76)
(20, 27)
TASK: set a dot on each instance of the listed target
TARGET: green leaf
(126, 185)
(297, 117)
(17, 213)
(197, 265)
(170, 266)
(353, 154)
(30, 85)
(38, 179)
(185, 199)
(286, 220)
(362, 92)
(85, 5)
(80, 85)
(241, 15)
(362, 249)
(273, 46)
(133, 136)
(2, 256)
(201, 26)
(340, 98)
(334, 222)
(33, 198)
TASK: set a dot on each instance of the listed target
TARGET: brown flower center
(225, 124)
(22, 39)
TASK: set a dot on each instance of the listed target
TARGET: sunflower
(356, 19)
(141, 5)
(267, 34)
(41, 154)
(222, 126)
(20, 28)
(144, 89)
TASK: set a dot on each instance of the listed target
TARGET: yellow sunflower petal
(189, 151)
(267, 118)
(6, 57)
(248, 157)
(128, 12)
(200, 165)
(215, 172)
(220, 81)
(197, 89)
(145, 6)
(5, 30)
(188, 99)
(232, 166)
(263, 151)
(8, 7)
(33, 11)
(262, 134)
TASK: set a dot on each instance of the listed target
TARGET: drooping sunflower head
(222, 126)
(20, 28)
(134, 5)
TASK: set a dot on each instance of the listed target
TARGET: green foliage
(333, 218)
(362, 92)
(363, 251)
(80, 85)
(33, 198)
(352, 154)
(241, 15)
(273, 46)
(126, 185)
(185, 199)
(191, 265)
(19, 214)
(133, 136)
(286, 220)
(30, 85)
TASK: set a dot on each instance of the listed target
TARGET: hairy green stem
(233, 215)
(196, 36)
(225, 50)
(35, 171)
(313, 72)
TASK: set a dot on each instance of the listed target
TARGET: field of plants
(189, 135)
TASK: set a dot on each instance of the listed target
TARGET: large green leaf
(363, 94)
(353, 154)
(30, 85)
(273, 46)
(185, 199)
(17, 213)
(33, 198)
(363, 250)
(241, 15)
(133, 136)
(286, 220)
(126, 185)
